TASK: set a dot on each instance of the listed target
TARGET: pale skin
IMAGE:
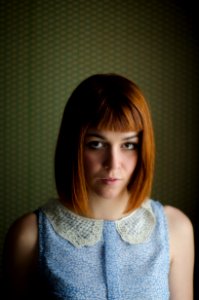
(110, 159)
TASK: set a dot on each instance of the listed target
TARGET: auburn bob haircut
(108, 102)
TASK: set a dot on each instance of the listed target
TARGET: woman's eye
(129, 146)
(95, 145)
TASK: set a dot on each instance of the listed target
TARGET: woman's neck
(108, 209)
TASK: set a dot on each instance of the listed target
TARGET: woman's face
(110, 159)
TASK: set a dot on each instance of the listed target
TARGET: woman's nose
(112, 159)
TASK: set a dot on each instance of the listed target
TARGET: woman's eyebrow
(93, 134)
(136, 135)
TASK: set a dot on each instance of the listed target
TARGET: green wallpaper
(48, 47)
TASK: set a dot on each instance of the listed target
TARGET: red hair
(104, 101)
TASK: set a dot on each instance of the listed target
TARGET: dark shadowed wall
(48, 47)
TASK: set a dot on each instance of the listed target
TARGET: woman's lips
(110, 181)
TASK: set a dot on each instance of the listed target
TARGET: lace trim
(78, 230)
(81, 231)
(138, 226)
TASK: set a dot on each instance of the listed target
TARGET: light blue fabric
(111, 269)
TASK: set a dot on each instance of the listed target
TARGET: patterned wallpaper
(48, 47)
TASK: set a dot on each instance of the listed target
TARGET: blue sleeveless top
(88, 259)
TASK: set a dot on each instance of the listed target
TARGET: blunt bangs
(124, 119)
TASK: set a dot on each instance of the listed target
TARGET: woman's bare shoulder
(178, 221)
(21, 241)
(23, 230)
(181, 239)
(181, 235)
(20, 255)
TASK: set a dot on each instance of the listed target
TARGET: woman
(103, 238)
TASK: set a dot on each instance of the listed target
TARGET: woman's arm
(19, 260)
(181, 254)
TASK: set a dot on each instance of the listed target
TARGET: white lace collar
(81, 231)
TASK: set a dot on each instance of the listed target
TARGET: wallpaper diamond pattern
(48, 47)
